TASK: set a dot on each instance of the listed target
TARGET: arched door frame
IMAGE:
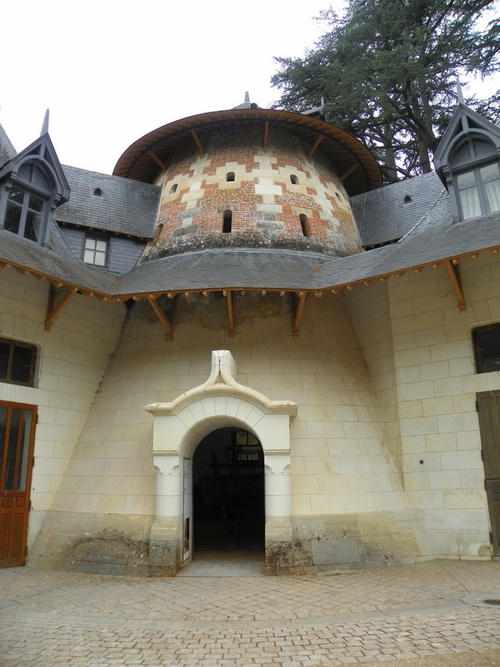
(180, 426)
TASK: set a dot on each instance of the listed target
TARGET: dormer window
(32, 185)
(468, 162)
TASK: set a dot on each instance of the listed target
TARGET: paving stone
(413, 615)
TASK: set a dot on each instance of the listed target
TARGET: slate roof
(7, 150)
(57, 262)
(434, 236)
(387, 214)
(123, 207)
(414, 216)
(295, 270)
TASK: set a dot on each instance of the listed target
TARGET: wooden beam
(158, 161)
(347, 173)
(198, 143)
(453, 271)
(162, 317)
(230, 312)
(265, 138)
(53, 309)
(299, 311)
(314, 147)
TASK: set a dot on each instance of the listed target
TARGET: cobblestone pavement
(428, 614)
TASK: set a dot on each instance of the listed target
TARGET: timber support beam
(453, 270)
(53, 308)
(162, 317)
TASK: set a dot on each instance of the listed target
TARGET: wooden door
(17, 437)
(488, 407)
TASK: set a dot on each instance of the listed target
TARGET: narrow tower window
(227, 221)
(304, 223)
(230, 176)
(294, 180)
(173, 189)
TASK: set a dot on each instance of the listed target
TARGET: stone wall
(385, 449)
(268, 193)
(72, 360)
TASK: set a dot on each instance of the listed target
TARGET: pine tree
(388, 71)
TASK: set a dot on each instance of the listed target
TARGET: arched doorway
(228, 495)
(180, 426)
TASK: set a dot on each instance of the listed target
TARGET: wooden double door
(17, 437)
(488, 407)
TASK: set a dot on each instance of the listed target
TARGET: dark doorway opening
(228, 495)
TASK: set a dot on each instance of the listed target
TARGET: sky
(110, 71)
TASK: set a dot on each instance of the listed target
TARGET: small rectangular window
(96, 250)
(17, 362)
(486, 341)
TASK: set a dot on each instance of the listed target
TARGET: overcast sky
(112, 70)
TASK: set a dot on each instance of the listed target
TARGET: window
(173, 189)
(23, 214)
(479, 191)
(486, 341)
(95, 250)
(17, 362)
(407, 199)
(32, 185)
(98, 192)
(304, 224)
(230, 176)
(294, 180)
(227, 221)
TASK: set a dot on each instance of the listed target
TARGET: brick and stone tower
(252, 178)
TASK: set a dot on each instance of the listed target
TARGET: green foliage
(388, 71)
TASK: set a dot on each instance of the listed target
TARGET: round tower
(252, 178)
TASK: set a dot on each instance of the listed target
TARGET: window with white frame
(479, 190)
(95, 250)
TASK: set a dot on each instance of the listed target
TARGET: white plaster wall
(72, 359)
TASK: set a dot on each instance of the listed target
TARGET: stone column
(165, 555)
(279, 534)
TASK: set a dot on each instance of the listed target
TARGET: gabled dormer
(32, 186)
(468, 162)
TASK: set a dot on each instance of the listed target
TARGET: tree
(388, 71)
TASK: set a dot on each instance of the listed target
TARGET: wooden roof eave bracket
(158, 160)
(162, 317)
(453, 270)
(54, 309)
(230, 312)
(297, 314)
(314, 147)
(265, 137)
(349, 171)
(198, 143)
